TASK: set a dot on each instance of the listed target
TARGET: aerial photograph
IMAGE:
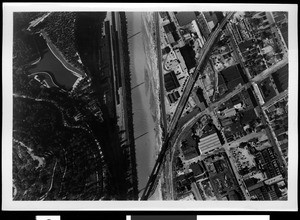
(158, 105)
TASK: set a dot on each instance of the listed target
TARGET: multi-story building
(213, 18)
(266, 159)
(203, 25)
(265, 21)
(185, 18)
(281, 20)
(236, 32)
(171, 32)
(196, 27)
(262, 192)
(173, 97)
(171, 81)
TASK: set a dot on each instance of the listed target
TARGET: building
(267, 89)
(227, 113)
(170, 27)
(163, 14)
(198, 170)
(253, 58)
(213, 18)
(260, 191)
(187, 197)
(171, 32)
(233, 76)
(202, 101)
(189, 148)
(248, 116)
(195, 26)
(234, 195)
(267, 49)
(200, 104)
(236, 32)
(284, 150)
(245, 29)
(279, 131)
(262, 19)
(173, 97)
(246, 45)
(185, 18)
(203, 25)
(273, 180)
(188, 55)
(266, 159)
(183, 67)
(171, 81)
(166, 50)
(258, 93)
(266, 21)
(281, 20)
(209, 143)
(281, 78)
(226, 122)
(182, 184)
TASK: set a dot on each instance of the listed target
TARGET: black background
(149, 215)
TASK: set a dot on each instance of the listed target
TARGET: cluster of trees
(24, 48)
(43, 123)
(22, 20)
(73, 166)
(60, 28)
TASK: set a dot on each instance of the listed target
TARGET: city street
(275, 99)
(194, 77)
(175, 134)
(266, 73)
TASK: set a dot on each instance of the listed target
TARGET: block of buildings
(209, 143)
(185, 18)
(171, 81)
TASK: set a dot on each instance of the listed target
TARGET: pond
(50, 64)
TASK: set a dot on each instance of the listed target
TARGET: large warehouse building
(209, 143)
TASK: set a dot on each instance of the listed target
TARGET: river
(143, 120)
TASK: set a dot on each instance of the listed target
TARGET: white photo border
(8, 204)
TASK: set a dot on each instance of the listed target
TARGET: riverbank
(150, 46)
(152, 74)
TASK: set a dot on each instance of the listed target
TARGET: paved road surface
(266, 73)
